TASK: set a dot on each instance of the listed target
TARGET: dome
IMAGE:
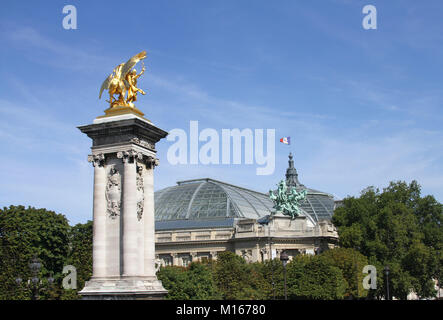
(209, 199)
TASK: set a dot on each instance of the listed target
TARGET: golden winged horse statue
(124, 79)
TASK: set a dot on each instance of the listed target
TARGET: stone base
(120, 110)
(124, 289)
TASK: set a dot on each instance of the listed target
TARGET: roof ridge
(218, 181)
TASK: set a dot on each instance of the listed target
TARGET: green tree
(272, 273)
(312, 277)
(174, 280)
(237, 280)
(395, 227)
(351, 264)
(192, 283)
(80, 256)
(25, 232)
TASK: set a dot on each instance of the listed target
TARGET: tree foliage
(311, 277)
(351, 263)
(192, 283)
(80, 256)
(25, 232)
(399, 228)
(237, 280)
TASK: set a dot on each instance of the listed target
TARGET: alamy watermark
(370, 20)
(70, 280)
(70, 20)
(217, 148)
(370, 281)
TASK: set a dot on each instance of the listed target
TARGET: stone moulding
(124, 289)
(123, 131)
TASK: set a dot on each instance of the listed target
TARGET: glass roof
(207, 198)
(211, 199)
(318, 205)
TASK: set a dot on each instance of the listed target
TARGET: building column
(174, 259)
(141, 208)
(149, 218)
(130, 234)
(257, 253)
(99, 214)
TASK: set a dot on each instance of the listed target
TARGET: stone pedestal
(124, 158)
(284, 225)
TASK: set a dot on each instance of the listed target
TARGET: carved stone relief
(113, 193)
(143, 143)
(247, 255)
(140, 192)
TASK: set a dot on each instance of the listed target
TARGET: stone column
(175, 261)
(256, 256)
(120, 209)
(148, 216)
(130, 234)
(99, 214)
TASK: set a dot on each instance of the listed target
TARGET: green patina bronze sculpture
(287, 200)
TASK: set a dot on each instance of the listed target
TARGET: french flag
(286, 140)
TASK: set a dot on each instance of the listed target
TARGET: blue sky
(362, 107)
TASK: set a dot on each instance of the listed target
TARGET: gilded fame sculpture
(122, 80)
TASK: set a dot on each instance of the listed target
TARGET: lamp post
(284, 259)
(272, 266)
(35, 282)
(387, 282)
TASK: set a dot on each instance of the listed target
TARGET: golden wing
(132, 62)
(105, 85)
